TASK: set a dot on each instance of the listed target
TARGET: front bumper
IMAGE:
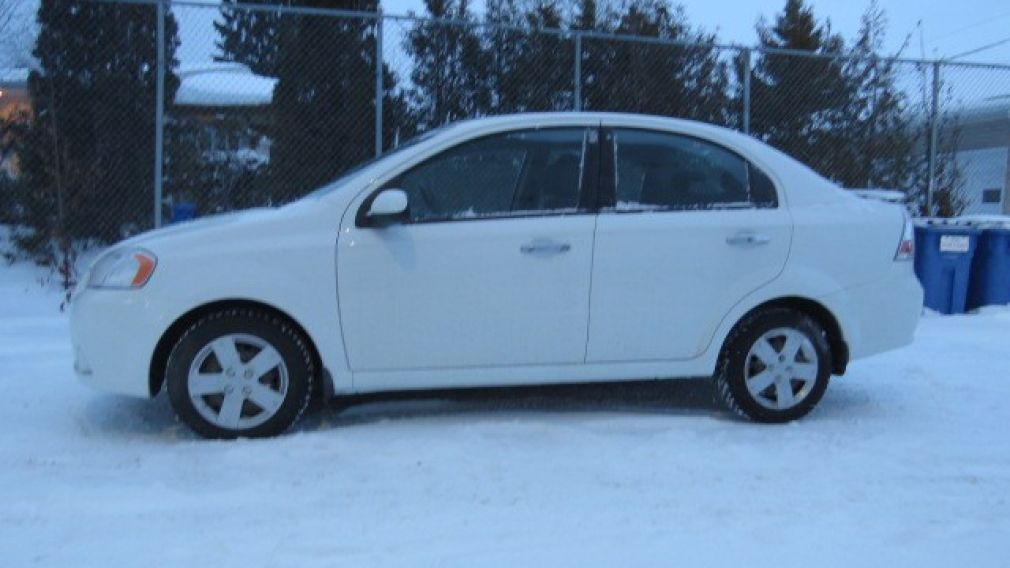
(114, 333)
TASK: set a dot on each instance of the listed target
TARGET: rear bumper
(114, 333)
(881, 315)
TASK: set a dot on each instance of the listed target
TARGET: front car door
(490, 268)
(688, 228)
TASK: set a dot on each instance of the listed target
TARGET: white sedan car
(517, 250)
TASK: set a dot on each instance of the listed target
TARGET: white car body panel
(826, 246)
(652, 297)
(409, 293)
(286, 262)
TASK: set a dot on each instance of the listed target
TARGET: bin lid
(984, 221)
(942, 224)
(935, 221)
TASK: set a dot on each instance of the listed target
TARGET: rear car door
(491, 267)
(686, 229)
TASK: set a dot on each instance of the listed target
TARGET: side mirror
(389, 205)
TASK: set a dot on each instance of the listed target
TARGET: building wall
(984, 155)
(13, 101)
(984, 175)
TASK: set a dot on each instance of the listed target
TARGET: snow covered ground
(906, 462)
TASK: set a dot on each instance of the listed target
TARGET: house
(217, 137)
(983, 155)
(232, 104)
(14, 101)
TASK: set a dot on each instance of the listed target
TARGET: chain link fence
(141, 113)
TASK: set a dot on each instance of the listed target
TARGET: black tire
(731, 374)
(263, 326)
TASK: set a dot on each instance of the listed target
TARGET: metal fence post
(746, 90)
(378, 84)
(578, 72)
(934, 126)
(159, 112)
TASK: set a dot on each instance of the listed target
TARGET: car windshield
(341, 181)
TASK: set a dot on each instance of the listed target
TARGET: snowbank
(888, 195)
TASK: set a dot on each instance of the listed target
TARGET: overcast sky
(948, 27)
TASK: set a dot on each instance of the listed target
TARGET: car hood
(203, 226)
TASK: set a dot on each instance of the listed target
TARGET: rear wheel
(775, 366)
(241, 372)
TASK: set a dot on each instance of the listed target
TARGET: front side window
(662, 171)
(529, 172)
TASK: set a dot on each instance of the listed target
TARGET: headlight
(124, 268)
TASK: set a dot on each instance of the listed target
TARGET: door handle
(545, 247)
(748, 239)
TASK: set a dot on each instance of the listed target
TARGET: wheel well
(827, 321)
(156, 375)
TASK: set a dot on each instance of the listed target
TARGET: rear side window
(662, 171)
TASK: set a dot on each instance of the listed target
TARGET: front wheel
(240, 373)
(775, 366)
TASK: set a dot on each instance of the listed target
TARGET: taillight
(906, 247)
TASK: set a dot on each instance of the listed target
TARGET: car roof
(617, 119)
(797, 183)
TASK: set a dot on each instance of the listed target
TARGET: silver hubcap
(238, 381)
(781, 368)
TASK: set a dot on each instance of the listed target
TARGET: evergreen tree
(688, 81)
(876, 143)
(544, 76)
(879, 138)
(249, 36)
(448, 63)
(502, 40)
(949, 197)
(399, 122)
(528, 69)
(324, 101)
(87, 154)
(797, 102)
(586, 17)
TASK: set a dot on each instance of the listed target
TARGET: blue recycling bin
(990, 270)
(943, 255)
(183, 211)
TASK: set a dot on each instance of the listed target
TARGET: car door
(686, 230)
(491, 265)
